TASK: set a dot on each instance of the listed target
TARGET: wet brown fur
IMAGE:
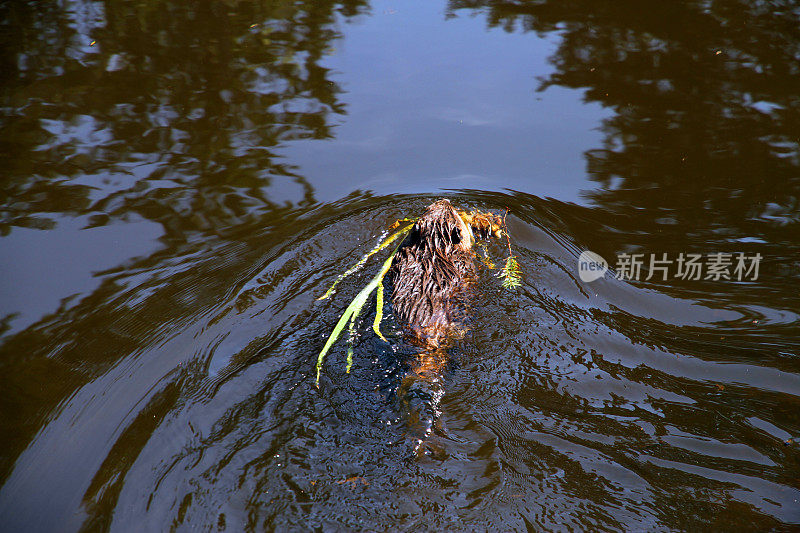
(433, 272)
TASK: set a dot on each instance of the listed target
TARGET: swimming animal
(433, 272)
(432, 275)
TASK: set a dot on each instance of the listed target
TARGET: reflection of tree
(172, 114)
(707, 114)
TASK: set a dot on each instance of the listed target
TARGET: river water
(182, 181)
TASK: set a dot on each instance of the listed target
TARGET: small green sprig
(511, 274)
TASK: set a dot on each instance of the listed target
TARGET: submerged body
(432, 272)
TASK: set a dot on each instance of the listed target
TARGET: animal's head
(443, 227)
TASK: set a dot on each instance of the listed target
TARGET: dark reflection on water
(166, 113)
(175, 388)
(703, 142)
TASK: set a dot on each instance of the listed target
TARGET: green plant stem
(386, 242)
(353, 311)
(376, 325)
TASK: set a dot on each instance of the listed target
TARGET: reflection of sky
(40, 268)
(445, 104)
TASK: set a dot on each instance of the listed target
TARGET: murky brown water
(181, 180)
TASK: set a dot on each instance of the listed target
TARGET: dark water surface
(181, 181)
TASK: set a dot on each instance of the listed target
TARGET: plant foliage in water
(354, 309)
(511, 273)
